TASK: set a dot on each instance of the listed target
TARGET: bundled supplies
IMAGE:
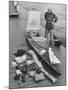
(26, 65)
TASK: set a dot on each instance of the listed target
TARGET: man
(50, 18)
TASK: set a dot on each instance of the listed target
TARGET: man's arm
(55, 18)
(45, 15)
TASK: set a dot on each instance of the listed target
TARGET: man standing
(50, 18)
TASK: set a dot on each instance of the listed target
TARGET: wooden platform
(12, 10)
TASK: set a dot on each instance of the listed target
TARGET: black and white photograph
(37, 44)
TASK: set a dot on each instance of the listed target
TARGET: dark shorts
(49, 26)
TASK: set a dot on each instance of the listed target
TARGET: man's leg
(51, 38)
(52, 35)
(46, 34)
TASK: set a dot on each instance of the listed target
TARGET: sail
(33, 20)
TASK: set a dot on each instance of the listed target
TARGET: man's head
(49, 10)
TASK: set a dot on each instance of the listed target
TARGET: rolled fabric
(18, 59)
(14, 64)
(21, 59)
(31, 51)
(18, 72)
(28, 62)
(32, 73)
(42, 51)
(24, 57)
(35, 58)
(39, 77)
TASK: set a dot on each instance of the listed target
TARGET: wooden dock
(12, 10)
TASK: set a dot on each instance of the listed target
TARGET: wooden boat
(44, 59)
